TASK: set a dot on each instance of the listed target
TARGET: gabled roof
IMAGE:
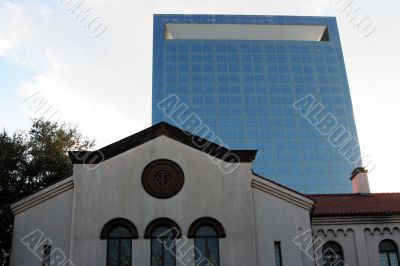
(356, 204)
(273, 188)
(161, 129)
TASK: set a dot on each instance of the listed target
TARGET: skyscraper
(265, 83)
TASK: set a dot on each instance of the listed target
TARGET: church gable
(161, 129)
(164, 178)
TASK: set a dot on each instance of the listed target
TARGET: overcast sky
(103, 84)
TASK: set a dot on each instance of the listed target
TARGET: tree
(30, 161)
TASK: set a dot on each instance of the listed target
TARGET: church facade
(166, 197)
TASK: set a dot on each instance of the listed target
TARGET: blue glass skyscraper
(242, 75)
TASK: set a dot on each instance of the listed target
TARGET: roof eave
(162, 129)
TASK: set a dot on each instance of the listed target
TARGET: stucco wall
(53, 218)
(346, 239)
(279, 220)
(115, 190)
(359, 238)
(374, 236)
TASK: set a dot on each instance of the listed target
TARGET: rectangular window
(46, 255)
(193, 31)
(278, 254)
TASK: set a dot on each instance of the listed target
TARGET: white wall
(53, 218)
(359, 239)
(279, 220)
(346, 239)
(115, 190)
(374, 237)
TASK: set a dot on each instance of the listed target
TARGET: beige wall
(115, 190)
(279, 220)
(359, 237)
(53, 218)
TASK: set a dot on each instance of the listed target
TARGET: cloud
(97, 83)
(90, 79)
(104, 84)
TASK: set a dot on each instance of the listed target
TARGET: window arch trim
(116, 222)
(333, 245)
(159, 222)
(215, 224)
(395, 247)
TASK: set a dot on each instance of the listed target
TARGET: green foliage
(30, 161)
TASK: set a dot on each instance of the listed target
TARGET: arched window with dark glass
(332, 254)
(119, 233)
(206, 232)
(388, 253)
(163, 232)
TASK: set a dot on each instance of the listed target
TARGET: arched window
(332, 254)
(162, 232)
(388, 253)
(206, 232)
(119, 233)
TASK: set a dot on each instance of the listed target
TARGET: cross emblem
(163, 179)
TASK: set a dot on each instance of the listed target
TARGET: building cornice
(342, 220)
(42, 195)
(282, 193)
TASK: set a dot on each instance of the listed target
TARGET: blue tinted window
(207, 244)
(161, 255)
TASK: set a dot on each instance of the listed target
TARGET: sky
(98, 76)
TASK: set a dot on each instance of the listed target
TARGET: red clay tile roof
(356, 204)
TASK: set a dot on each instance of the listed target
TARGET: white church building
(165, 197)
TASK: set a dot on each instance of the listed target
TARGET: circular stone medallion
(162, 178)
